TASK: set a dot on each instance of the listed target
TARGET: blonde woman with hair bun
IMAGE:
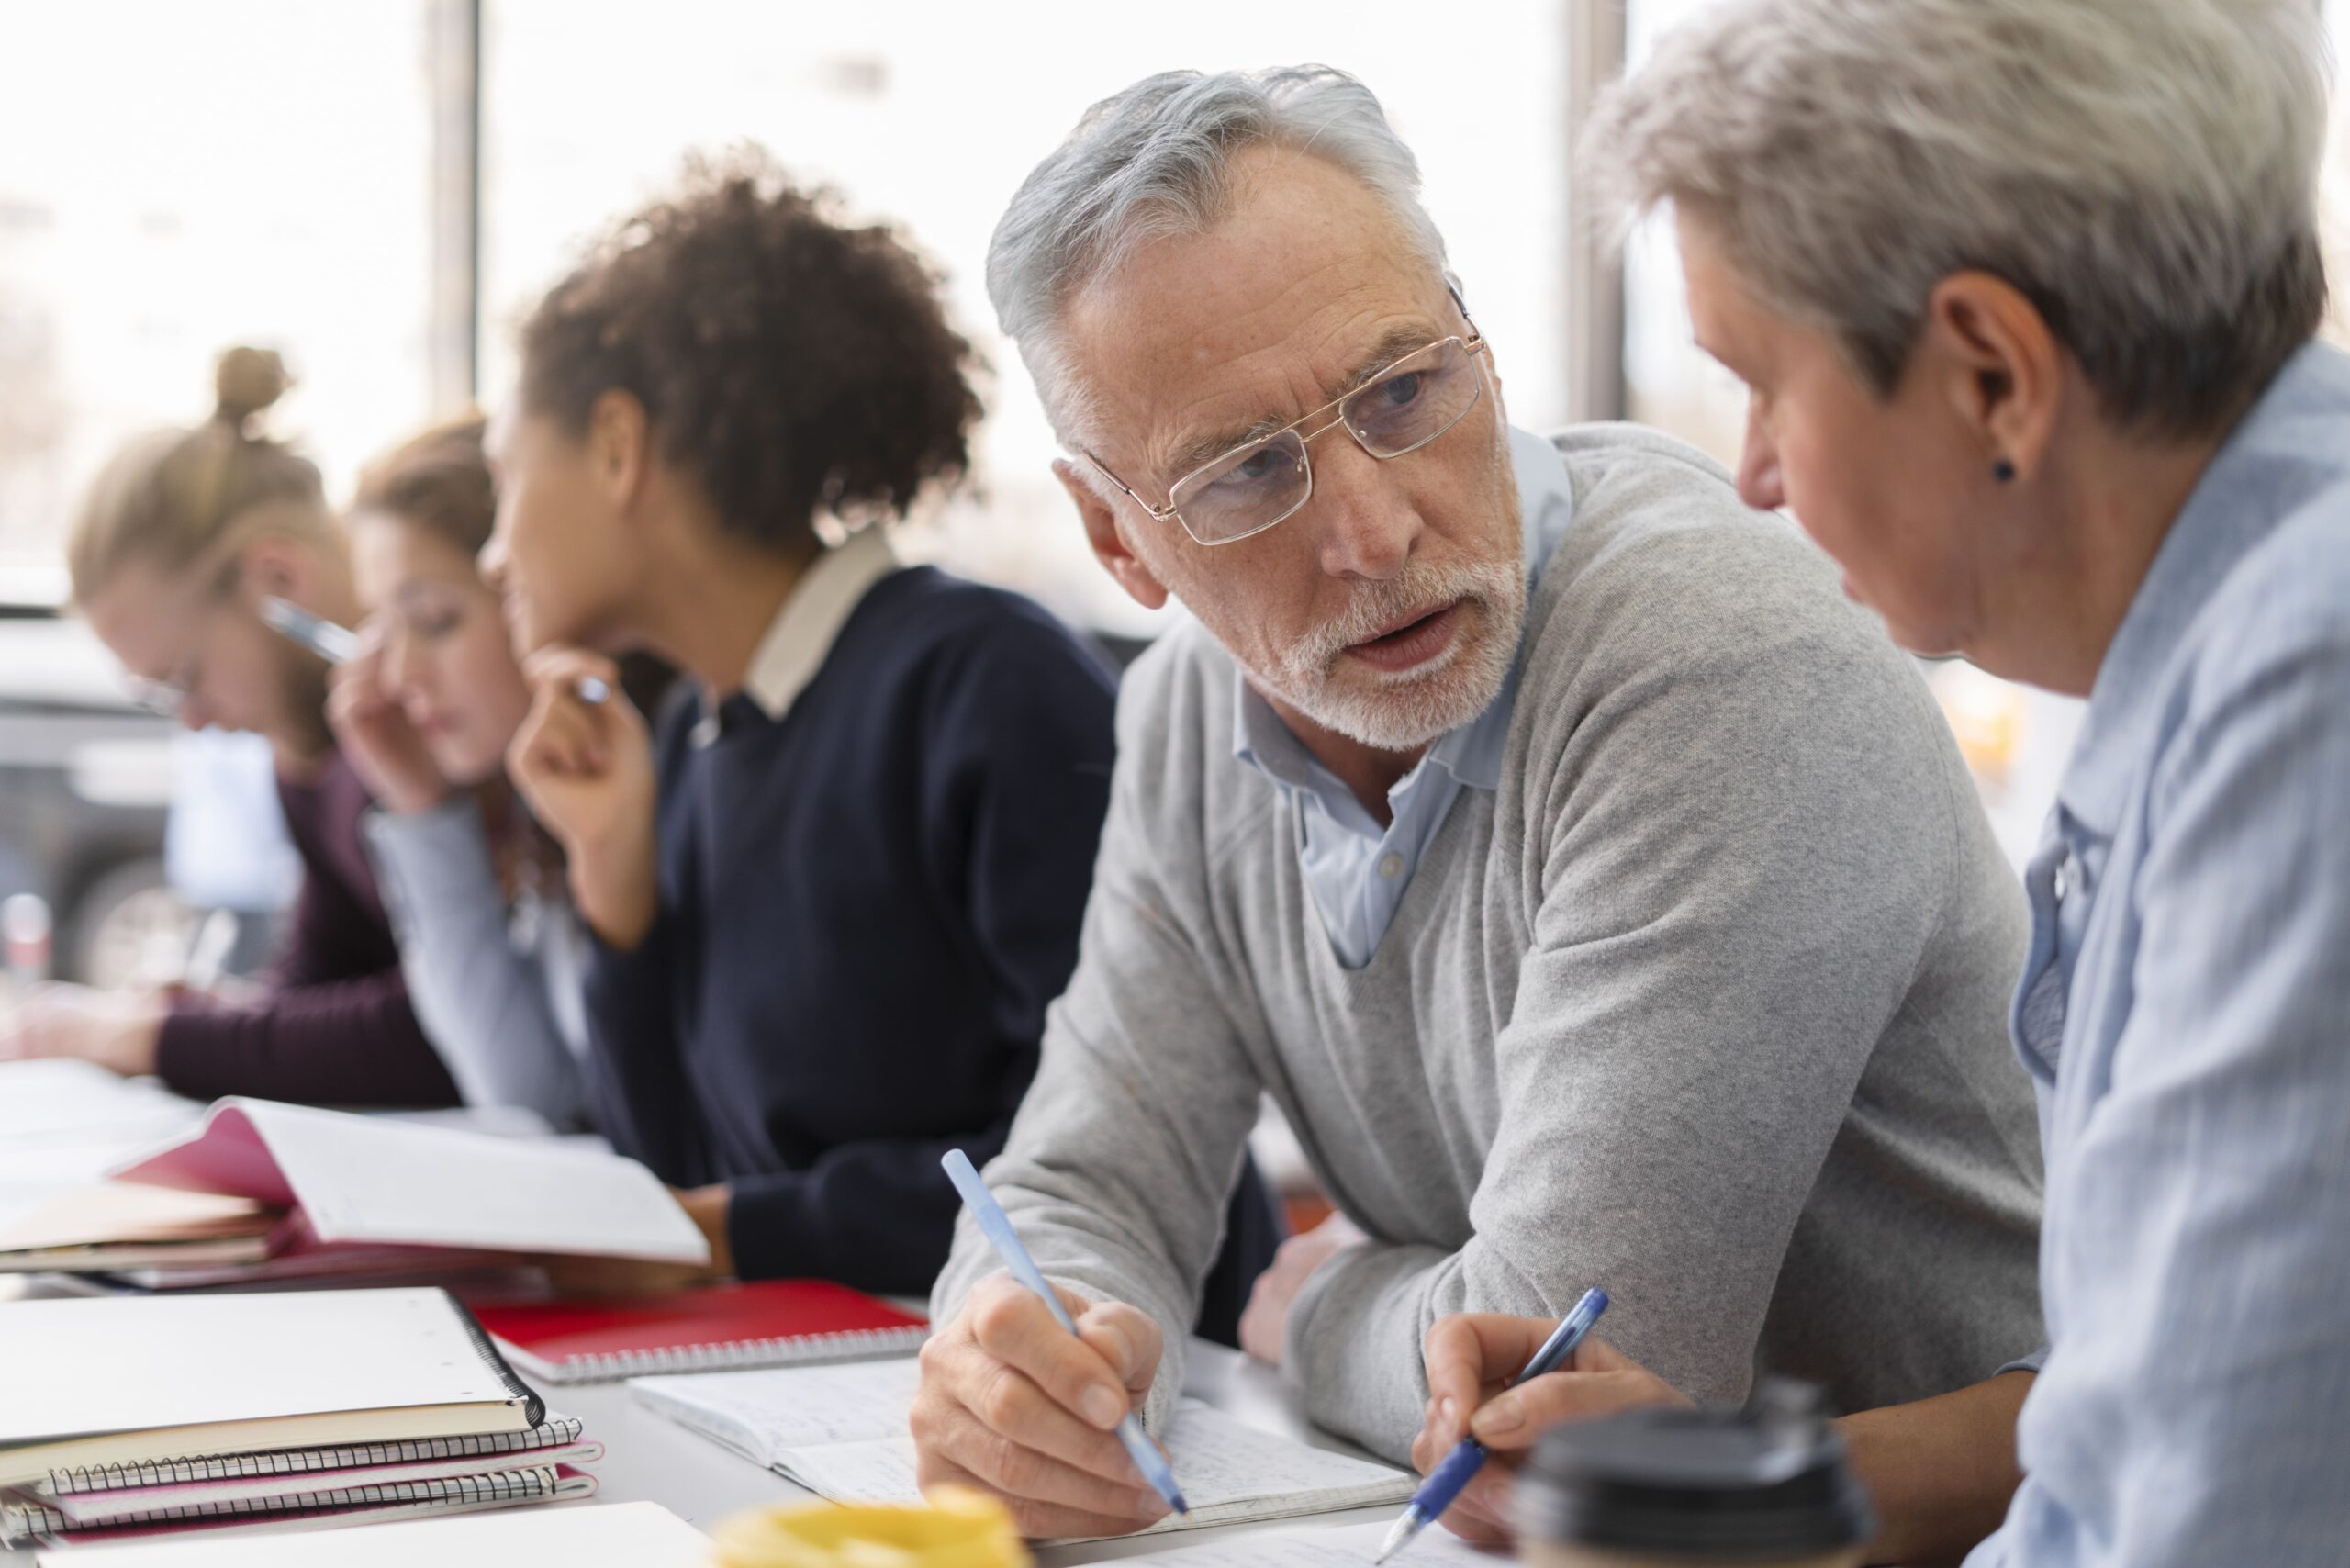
(179, 538)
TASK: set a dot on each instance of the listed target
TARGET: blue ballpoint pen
(996, 1226)
(1444, 1482)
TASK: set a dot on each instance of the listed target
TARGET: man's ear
(619, 453)
(1100, 520)
(2000, 365)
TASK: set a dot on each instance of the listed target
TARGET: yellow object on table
(957, 1529)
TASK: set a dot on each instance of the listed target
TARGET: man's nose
(1365, 524)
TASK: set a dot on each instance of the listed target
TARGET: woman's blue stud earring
(2003, 471)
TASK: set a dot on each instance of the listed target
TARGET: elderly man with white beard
(1598, 895)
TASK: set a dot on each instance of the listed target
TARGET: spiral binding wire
(18, 1520)
(295, 1461)
(799, 1349)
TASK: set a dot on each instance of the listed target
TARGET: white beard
(1406, 710)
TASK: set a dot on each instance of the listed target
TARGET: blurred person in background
(488, 938)
(831, 900)
(177, 542)
(2024, 293)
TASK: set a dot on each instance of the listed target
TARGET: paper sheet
(760, 1414)
(58, 1100)
(620, 1535)
(841, 1432)
(1228, 1472)
(368, 1179)
(1348, 1546)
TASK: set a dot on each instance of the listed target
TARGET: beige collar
(802, 635)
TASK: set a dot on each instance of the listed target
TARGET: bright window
(179, 177)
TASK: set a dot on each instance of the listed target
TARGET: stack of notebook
(128, 1417)
(264, 1192)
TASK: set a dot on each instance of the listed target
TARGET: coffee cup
(1763, 1487)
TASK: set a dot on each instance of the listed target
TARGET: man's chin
(1409, 710)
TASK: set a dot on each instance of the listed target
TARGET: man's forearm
(1941, 1471)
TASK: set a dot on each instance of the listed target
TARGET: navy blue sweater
(865, 909)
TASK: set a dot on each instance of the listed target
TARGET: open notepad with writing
(841, 1431)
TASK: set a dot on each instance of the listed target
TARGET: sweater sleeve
(334, 1026)
(349, 1042)
(1747, 834)
(1126, 1149)
(483, 1003)
(1017, 764)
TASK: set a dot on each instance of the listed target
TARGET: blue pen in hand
(1444, 1482)
(996, 1226)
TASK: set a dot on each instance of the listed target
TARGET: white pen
(335, 643)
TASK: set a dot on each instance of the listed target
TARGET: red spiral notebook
(772, 1323)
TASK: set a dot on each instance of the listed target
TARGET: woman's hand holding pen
(375, 734)
(586, 768)
(1470, 1357)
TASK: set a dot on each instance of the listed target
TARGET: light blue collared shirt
(2185, 1014)
(1357, 870)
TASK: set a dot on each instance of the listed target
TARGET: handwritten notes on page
(841, 1432)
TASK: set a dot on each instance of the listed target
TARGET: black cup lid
(1769, 1481)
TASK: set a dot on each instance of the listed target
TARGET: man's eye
(1399, 391)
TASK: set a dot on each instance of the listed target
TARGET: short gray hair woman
(2025, 293)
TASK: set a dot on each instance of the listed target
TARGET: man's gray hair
(1153, 162)
(2144, 171)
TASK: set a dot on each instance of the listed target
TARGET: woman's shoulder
(921, 613)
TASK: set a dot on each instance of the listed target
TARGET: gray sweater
(1704, 1004)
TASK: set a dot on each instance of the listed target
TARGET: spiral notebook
(723, 1327)
(256, 1482)
(134, 1380)
(41, 1525)
(48, 1527)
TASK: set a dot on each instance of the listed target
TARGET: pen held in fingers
(330, 641)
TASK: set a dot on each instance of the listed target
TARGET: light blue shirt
(2185, 1014)
(1357, 870)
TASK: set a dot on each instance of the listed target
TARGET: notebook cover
(729, 1325)
(278, 1464)
(48, 1529)
(84, 1510)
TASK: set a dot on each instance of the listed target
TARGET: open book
(359, 1183)
(841, 1431)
